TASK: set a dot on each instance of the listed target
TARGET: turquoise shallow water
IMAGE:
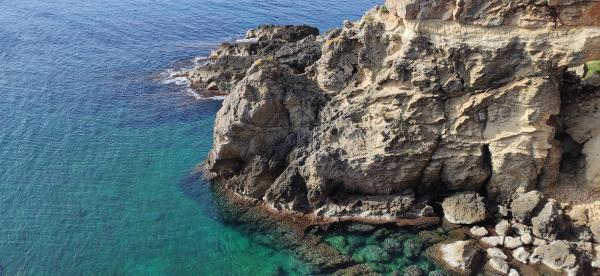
(97, 154)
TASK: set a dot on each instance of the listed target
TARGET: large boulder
(526, 205)
(549, 223)
(461, 257)
(464, 208)
(556, 255)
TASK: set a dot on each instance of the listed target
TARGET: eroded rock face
(294, 46)
(523, 13)
(402, 104)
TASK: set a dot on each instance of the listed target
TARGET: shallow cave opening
(571, 154)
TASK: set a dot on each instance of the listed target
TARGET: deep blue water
(96, 151)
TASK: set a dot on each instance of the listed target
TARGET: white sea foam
(174, 77)
(242, 40)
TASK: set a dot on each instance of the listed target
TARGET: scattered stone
(538, 255)
(521, 255)
(512, 242)
(464, 208)
(527, 239)
(459, 256)
(513, 272)
(579, 214)
(595, 229)
(503, 228)
(596, 260)
(549, 222)
(492, 241)
(502, 211)
(494, 252)
(573, 271)
(520, 229)
(557, 255)
(539, 242)
(525, 205)
(499, 265)
(582, 233)
(478, 231)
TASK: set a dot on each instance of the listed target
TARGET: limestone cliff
(417, 99)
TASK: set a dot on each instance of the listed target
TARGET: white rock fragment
(503, 228)
(527, 239)
(459, 255)
(513, 272)
(539, 242)
(494, 252)
(521, 255)
(520, 229)
(478, 231)
(512, 242)
(499, 265)
(492, 241)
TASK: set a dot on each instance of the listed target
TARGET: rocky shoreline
(423, 113)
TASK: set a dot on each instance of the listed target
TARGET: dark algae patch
(339, 248)
(386, 250)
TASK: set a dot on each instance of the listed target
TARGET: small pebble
(492, 241)
(527, 239)
(512, 243)
(521, 255)
(478, 231)
(503, 228)
(494, 252)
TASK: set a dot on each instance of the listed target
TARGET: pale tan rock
(527, 239)
(512, 242)
(521, 255)
(499, 265)
(403, 102)
(494, 252)
(478, 231)
(501, 12)
(503, 228)
(492, 241)
(459, 255)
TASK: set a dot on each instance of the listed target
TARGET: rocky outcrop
(294, 46)
(422, 98)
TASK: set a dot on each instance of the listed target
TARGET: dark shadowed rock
(549, 223)
(526, 205)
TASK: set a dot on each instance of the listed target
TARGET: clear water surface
(96, 152)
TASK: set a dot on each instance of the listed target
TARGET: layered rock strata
(420, 98)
